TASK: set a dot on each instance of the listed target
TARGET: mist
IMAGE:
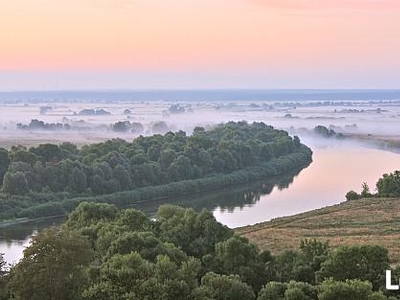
(30, 120)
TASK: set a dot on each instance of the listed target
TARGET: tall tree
(53, 267)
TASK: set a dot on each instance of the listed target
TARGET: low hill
(365, 221)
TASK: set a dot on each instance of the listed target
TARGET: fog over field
(92, 117)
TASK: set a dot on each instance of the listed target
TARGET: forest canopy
(101, 252)
(152, 166)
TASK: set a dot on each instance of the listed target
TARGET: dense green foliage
(103, 253)
(3, 279)
(61, 257)
(52, 179)
(387, 186)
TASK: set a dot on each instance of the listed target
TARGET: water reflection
(15, 238)
(335, 170)
(226, 199)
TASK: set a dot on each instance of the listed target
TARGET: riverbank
(9, 223)
(384, 142)
(364, 221)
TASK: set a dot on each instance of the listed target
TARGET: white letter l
(389, 285)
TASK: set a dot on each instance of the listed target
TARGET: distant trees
(40, 125)
(122, 126)
(126, 126)
(176, 109)
(93, 112)
(160, 127)
(323, 131)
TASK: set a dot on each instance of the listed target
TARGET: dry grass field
(366, 221)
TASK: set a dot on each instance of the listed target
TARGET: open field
(366, 221)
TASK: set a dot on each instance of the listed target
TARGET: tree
(23, 156)
(15, 183)
(160, 127)
(3, 278)
(288, 291)
(77, 182)
(223, 287)
(180, 169)
(47, 152)
(314, 253)
(352, 195)
(367, 262)
(195, 233)
(167, 156)
(389, 185)
(4, 163)
(273, 291)
(53, 267)
(286, 263)
(137, 128)
(87, 214)
(237, 256)
(350, 289)
(135, 220)
(313, 248)
(130, 277)
(123, 177)
(122, 126)
(365, 193)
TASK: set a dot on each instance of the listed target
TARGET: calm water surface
(335, 170)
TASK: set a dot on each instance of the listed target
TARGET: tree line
(146, 168)
(387, 186)
(101, 252)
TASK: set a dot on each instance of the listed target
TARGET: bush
(352, 195)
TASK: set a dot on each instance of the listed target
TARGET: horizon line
(239, 89)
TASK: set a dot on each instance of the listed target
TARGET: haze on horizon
(136, 44)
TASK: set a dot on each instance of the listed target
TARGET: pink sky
(288, 43)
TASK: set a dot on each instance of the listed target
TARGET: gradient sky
(108, 44)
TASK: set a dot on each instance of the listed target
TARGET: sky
(175, 44)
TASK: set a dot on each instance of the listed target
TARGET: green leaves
(389, 185)
(53, 267)
(365, 262)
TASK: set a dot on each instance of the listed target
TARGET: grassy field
(366, 221)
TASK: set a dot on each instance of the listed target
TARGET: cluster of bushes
(148, 167)
(327, 132)
(387, 186)
(40, 125)
(126, 126)
(101, 252)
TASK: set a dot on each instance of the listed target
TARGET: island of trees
(53, 179)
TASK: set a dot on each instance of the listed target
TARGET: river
(336, 169)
